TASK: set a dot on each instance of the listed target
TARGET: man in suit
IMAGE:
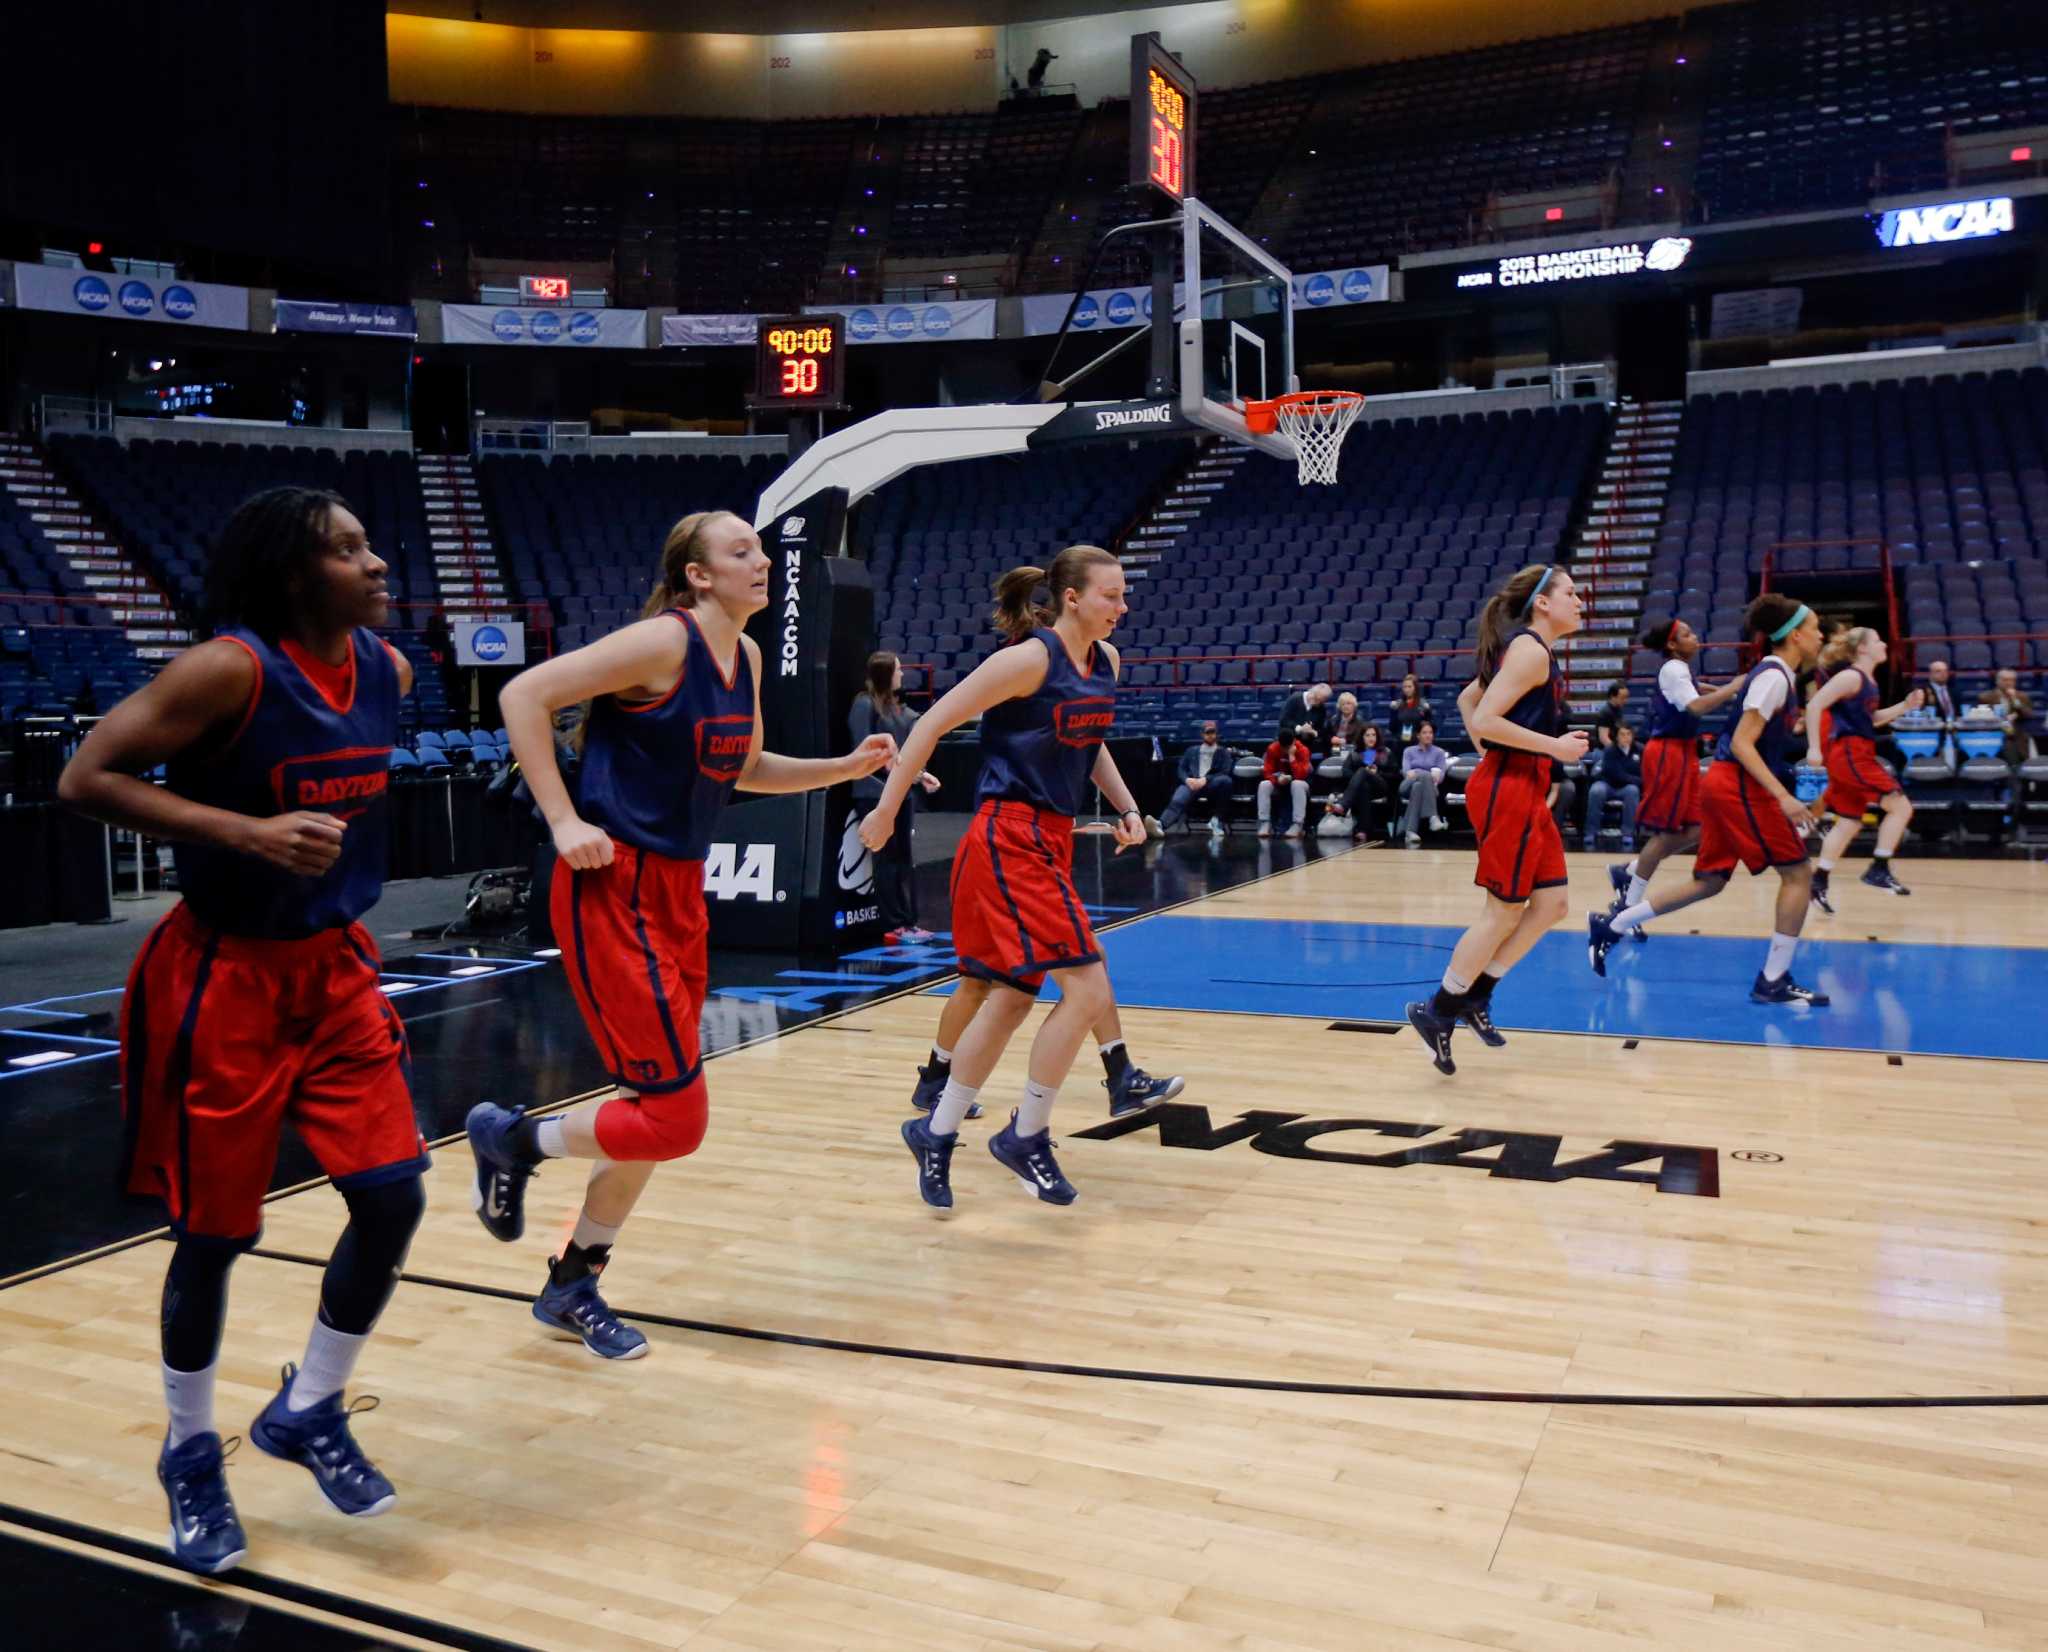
(1306, 716)
(1941, 699)
(1205, 771)
(2017, 709)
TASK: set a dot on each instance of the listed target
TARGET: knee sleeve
(195, 1303)
(363, 1272)
(657, 1128)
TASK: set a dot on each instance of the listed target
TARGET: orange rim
(1263, 418)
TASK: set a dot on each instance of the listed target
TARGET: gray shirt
(864, 719)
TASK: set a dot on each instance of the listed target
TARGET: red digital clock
(800, 362)
(544, 289)
(1162, 119)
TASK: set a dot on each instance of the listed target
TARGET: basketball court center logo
(1507, 1155)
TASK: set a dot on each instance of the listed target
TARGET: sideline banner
(131, 297)
(677, 330)
(971, 318)
(307, 315)
(568, 329)
(1109, 309)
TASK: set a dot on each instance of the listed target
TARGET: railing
(535, 616)
(1909, 647)
(1305, 666)
(119, 597)
(87, 413)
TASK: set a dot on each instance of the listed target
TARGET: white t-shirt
(1674, 682)
(1205, 755)
(1767, 693)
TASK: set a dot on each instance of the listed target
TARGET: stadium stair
(466, 567)
(1176, 507)
(1611, 558)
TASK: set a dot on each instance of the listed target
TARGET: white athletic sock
(954, 1101)
(1881, 855)
(1113, 1044)
(1779, 959)
(943, 1056)
(1034, 1112)
(547, 1136)
(1632, 916)
(592, 1232)
(1823, 864)
(188, 1397)
(330, 1358)
(1638, 886)
(1455, 987)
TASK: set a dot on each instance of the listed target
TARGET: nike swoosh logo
(495, 1204)
(1040, 1177)
(188, 1533)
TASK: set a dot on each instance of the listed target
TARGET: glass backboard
(1237, 343)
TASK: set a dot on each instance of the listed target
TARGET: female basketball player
(674, 728)
(1857, 776)
(1046, 702)
(1514, 710)
(1670, 809)
(1748, 813)
(256, 999)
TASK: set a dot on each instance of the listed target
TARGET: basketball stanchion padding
(1315, 421)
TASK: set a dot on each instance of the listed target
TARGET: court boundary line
(308, 1597)
(906, 990)
(1263, 1385)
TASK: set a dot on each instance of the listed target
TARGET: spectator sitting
(1370, 779)
(1620, 776)
(1287, 762)
(1346, 725)
(1611, 716)
(1423, 767)
(1204, 772)
(1407, 712)
(1307, 717)
(2011, 702)
(1941, 694)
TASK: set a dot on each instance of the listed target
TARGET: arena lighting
(1552, 215)
(1923, 226)
(95, 248)
(2025, 152)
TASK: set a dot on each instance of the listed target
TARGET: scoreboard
(1162, 120)
(800, 363)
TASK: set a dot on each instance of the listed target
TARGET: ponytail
(1844, 646)
(1016, 615)
(1504, 610)
(686, 543)
(1767, 614)
(1658, 637)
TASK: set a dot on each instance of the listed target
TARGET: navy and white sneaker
(934, 1155)
(205, 1535)
(1137, 1090)
(1617, 875)
(1879, 876)
(1600, 936)
(318, 1438)
(576, 1309)
(1478, 1015)
(1030, 1160)
(1436, 1032)
(1820, 894)
(499, 1196)
(1784, 990)
(929, 1088)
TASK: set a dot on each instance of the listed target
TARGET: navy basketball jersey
(1853, 718)
(1781, 746)
(1541, 710)
(1665, 720)
(656, 773)
(1041, 748)
(296, 750)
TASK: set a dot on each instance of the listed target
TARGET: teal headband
(1798, 619)
(1540, 584)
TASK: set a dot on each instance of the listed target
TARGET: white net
(1316, 423)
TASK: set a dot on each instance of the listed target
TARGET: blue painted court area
(1906, 1000)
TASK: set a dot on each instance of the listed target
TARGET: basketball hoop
(1314, 421)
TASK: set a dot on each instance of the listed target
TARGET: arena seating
(1833, 102)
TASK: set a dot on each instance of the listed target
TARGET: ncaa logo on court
(902, 324)
(1087, 312)
(583, 328)
(179, 304)
(1318, 289)
(137, 298)
(1121, 310)
(91, 293)
(488, 642)
(862, 325)
(507, 326)
(1358, 286)
(937, 324)
(546, 327)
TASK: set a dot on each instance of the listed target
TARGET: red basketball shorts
(223, 1038)
(1015, 912)
(1857, 776)
(1519, 847)
(1671, 786)
(1741, 824)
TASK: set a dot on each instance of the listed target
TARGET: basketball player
(1046, 701)
(1514, 711)
(1748, 813)
(1670, 809)
(1857, 777)
(1131, 1089)
(674, 729)
(256, 999)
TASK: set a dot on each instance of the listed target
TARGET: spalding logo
(856, 865)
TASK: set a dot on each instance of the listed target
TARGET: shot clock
(1162, 119)
(800, 363)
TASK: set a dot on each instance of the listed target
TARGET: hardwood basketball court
(1622, 1335)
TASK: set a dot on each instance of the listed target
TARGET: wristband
(1126, 815)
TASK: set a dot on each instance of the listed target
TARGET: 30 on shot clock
(800, 362)
(1162, 119)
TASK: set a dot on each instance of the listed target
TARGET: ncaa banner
(1107, 309)
(131, 297)
(677, 330)
(564, 329)
(971, 318)
(1332, 289)
(305, 315)
(489, 642)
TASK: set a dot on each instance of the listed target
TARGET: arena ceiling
(766, 16)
